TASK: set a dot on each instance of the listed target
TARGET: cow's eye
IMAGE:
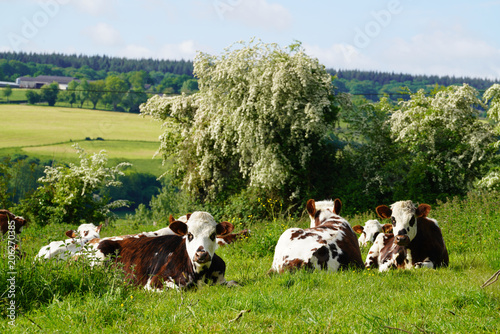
(212, 236)
(393, 220)
(190, 236)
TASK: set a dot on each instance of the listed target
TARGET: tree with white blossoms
(69, 194)
(447, 144)
(261, 119)
(491, 181)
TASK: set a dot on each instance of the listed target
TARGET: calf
(416, 240)
(171, 261)
(62, 249)
(370, 231)
(6, 216)
(330, 245)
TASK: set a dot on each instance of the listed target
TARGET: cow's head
(403, 216)
(19, 223)
(200, 234)
(85, 231)
(321, 211)
(370, 231)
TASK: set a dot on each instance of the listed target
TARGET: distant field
(49, 132)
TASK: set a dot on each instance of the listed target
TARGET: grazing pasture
(49, 132)
(71, 297)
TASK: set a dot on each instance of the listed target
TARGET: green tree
(491, 181)
(447, 145)
(82, 94)
(69, 95)
(7, 92)
(116, 88)
(96, 91)
(49, 93)
(261, 119)
(70, 194)
(32, 97)
(189, 86)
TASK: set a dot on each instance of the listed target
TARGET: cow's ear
(423, 210)
(387, 228)
(383, 211)
(358, 229)
(71, 234)
(179, 228)
(311, 207)
(187, 216)
(224, 228)
(337, 206)
(98, 229)
(171, 219)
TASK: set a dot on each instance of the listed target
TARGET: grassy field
(49, 132)
(70, 297)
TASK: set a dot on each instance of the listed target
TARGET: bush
(71, 193)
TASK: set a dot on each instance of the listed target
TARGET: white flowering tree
(491, 97)
(69, 194)
(260, 119)
(447, 144)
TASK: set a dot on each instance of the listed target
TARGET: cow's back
(429, 244)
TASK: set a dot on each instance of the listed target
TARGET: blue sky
(442, 37)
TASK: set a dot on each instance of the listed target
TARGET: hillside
(169, 76)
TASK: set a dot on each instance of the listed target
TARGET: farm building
(39, 81)
(11, 84)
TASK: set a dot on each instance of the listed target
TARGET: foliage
(48, 93)
(115, 89)
(70, 193)
(491, 181)
(447, 144)
(96, 91)
(7, 92)
(261, 116)
(32, 97)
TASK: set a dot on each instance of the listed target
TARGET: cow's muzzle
(402, 240)
(202, 257)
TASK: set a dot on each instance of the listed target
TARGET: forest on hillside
(168, 76)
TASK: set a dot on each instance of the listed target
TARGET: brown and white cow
(416, 240)
(171, 261)
(331, 244)
(370, 231)
(17, 223)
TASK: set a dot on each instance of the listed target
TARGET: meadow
(50, 132)
(71, 297)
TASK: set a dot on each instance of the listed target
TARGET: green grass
(17, 95)
(49, 132)
(68, 297)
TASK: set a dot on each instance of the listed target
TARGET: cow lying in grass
(173, 261)
(330, 245)
(78, 239)
(96, 256)
(370, 231)
(416, 240)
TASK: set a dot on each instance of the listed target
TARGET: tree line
(168, 76)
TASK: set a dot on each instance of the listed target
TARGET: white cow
(78, 239)
(370, 231)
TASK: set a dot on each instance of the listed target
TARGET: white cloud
(452, 52)
(136, 52)
(340, 56)
(254, 13)
(104, 34)
(443, 52)
(95, 7)
(184, 50)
